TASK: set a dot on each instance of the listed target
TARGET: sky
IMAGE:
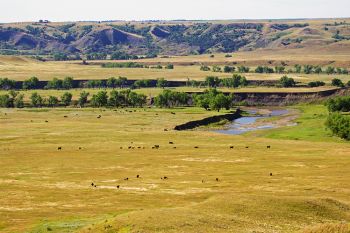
(99, 10)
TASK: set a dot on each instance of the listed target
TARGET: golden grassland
(21, 68)
(44, 189)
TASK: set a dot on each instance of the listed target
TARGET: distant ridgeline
(123, 41)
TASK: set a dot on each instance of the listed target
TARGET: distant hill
(170, 37)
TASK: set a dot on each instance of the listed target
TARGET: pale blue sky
(72, 10)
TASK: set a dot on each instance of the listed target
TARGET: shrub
(287, 82)
(339, 125)
(316, 84)
(337, 82)
(339, 104)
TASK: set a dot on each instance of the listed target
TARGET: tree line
(123, 98)
(306, 69)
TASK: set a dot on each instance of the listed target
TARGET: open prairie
(301, 181)
(22, 68)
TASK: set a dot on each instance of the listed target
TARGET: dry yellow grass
(43, 189)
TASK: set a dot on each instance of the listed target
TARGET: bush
(337, 82)
(243, 69)
(339, 104)
(169, 67)
(205, 68)
(287, 82)
(339, 125)
(229, 69)
(6, 101)
(316, 84)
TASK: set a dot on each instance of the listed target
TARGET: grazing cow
(171, 143)
(46, 121)
(202, 181)
(271, 174)
(268, 147)
(165, 130)
(59, 148)
(92, 184)
(99, 116)
(174, 147)
(118, 186)
(65, 116)
(121, 148)
(139, 147)
(79, 148)
(156, 146)
(95, 186)
(247, 147)
(196, 147)
(126, 178)
(173, 113)
(138, 176)
(129, 147)
(217, 179)
(231, 147)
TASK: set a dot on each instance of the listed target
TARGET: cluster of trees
(124, 98)
(337, 121)
(134, 65)
(122, 65)
(55, 83)
(168, 99)
(306, 69)
(12, 100)
(234, 82)
(213, 99)
(7, 84)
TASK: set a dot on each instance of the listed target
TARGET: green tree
(297, 68)
(83, 98)
(36, 99)
(52, 101)
(99, 99)
(169, 67)
(6, 101)
(318, 70)
(66, 98)
(67, 83)
(31, 83)
(55, 83)
(285, 81)
(308, 69)
(220, 101)
(212, 81)
(330, 70)
(229, 69)
(112, 82)
(19, 101)
(161, 83)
